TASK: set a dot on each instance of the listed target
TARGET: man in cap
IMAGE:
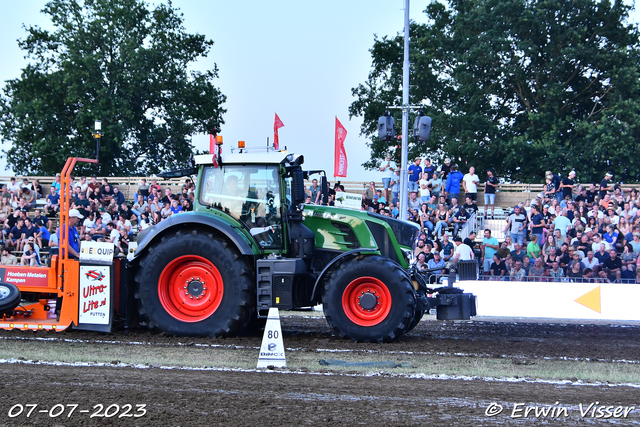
(452, 189)
(74, 237)
(463, 252)
(433, 263)
(567, 185)
(553, 186)
(517, 221)
(57, 183)
(604, 185)
(25, 183)
(490, 185)
(582, 195)
(591, 194)
(387, 168)
(445, 169)
(489, 248)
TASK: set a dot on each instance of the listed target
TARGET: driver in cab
(234, 196)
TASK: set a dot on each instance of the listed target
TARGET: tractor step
(275, 279)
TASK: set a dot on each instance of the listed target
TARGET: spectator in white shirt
(112, 234)
(388, 168)
(470, 183)
(463, 252)
(124, 224)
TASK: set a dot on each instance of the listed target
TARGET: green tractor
(251, 244)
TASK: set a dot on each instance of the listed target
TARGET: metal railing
(486, 277)
(469, 226)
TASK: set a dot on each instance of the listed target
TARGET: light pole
(404, 158)
(97, 135)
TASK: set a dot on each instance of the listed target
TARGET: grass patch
(246, 358)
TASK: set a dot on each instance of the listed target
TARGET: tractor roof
(255, 157)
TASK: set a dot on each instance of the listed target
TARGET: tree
(117, 61)
(521, 86)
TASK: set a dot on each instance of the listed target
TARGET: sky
(297, 58)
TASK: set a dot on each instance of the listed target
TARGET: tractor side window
(211, 185)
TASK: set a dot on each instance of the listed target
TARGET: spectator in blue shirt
(175, 207)
(429, 169)
(447, 248)
(43, 234)
(74, 237)
(452, 189)
(436, 262)
(118, 196)
(537, 223)
(53, 202)
(415, 172)
(57, 183)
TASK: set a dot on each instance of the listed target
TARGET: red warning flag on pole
(340, 164)
(276, 125)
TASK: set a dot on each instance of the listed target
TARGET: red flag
(340, 164)
(276, 125)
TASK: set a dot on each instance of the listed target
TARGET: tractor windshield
(250, 194)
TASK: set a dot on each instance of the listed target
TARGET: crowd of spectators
(434, 195)
(106, 214)
(570, 232)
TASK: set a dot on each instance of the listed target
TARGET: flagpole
(404, 176)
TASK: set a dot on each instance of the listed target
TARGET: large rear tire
(192, 283)
(9, 298)
(369, 299)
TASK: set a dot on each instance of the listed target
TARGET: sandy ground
(324, 397)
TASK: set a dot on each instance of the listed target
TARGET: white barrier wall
(561, 300)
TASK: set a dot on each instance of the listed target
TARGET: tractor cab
(251, 194)
(261, 189)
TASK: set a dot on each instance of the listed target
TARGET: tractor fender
(184, 220)
(340, 259)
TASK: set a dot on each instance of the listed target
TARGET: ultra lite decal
(95, 295)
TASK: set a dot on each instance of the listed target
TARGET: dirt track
(326, 398)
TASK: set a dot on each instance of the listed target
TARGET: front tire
(369, 299)
(192, 283)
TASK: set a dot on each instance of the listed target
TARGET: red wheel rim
(366, 313)
(190, 288)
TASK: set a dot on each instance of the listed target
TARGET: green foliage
(120, 62)
(521, 86)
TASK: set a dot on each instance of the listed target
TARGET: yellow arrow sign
(591, 300)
